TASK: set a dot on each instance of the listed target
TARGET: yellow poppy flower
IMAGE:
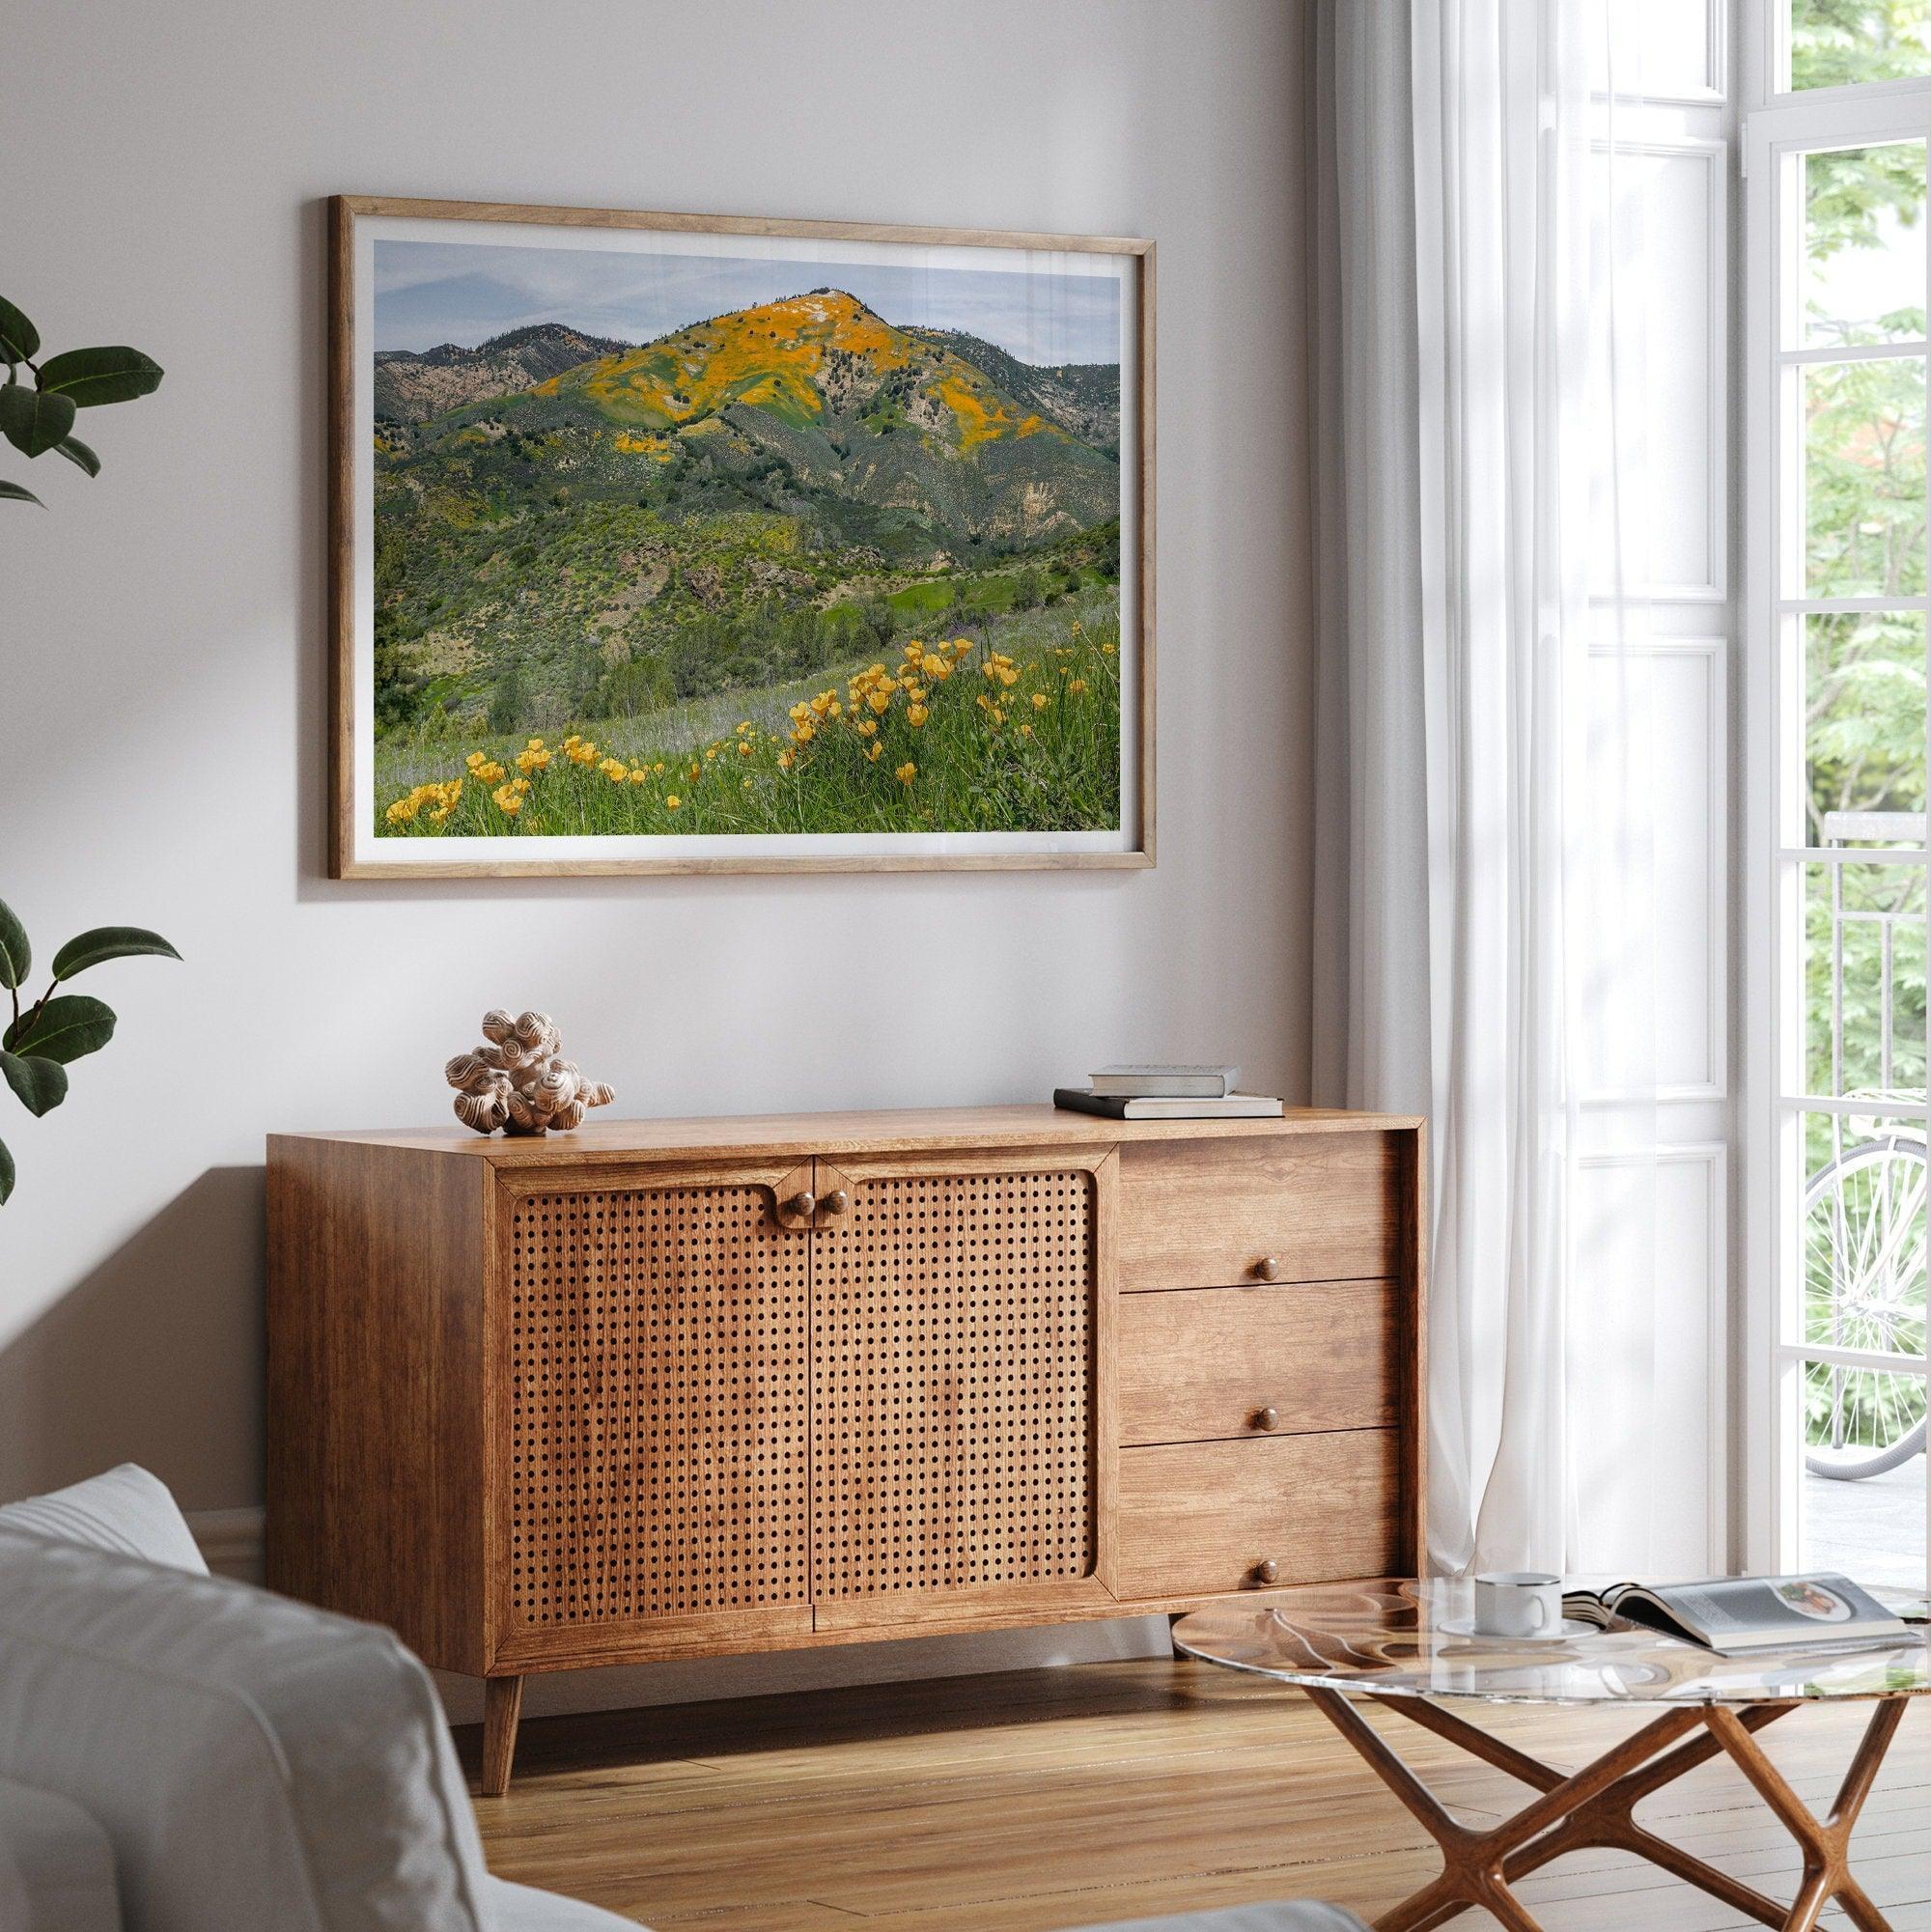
(787, 759)
(1077, 685)
(905, 773)
(873, 749)
(672, 802)
(1039, 701)
(916, 715)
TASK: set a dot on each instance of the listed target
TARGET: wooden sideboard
(673, 1389)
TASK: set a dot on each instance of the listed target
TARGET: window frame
(1780, 126)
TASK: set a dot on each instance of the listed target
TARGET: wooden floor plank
(1046, 1799)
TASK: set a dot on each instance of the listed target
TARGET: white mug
(1519, 1602)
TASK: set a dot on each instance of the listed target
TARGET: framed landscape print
(675, 543)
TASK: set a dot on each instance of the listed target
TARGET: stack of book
(1167, 1092)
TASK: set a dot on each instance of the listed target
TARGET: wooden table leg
(1826, 1843)
(1609, 1822)
(1474, 1864)
(1595, 1808)
(502, 1707)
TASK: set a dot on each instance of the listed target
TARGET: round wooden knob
(1268, 1268)
(1267, 1418)
(1267, 1571)
(803, 1205)
(835, 1202)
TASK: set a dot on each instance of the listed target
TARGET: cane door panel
(959, 1318)
(657, 1403)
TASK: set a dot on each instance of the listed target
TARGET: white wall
(162, 662)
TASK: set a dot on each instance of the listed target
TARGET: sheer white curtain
(1481, 887)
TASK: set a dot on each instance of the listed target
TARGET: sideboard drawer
(1200, 1518)
(1287, 1360)
(1309, 1207)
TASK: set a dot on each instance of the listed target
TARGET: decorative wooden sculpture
(519, 1079)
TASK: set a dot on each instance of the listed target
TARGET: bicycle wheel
(1864, 1288)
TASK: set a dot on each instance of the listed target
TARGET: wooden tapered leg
(502, 1707)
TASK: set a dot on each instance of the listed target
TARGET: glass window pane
(1864, 1248)
(1864, 980)
(1862, 1508)
(1863, 478)
(1863, 246)
(1864, 729)
(1842, 43)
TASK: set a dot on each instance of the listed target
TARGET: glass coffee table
(1408, 1646)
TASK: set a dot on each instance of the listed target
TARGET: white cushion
(126, 1509)
(1297, 1915)
(56, 1865)
(518, 1907)
(255, 1762)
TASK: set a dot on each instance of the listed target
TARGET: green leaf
(39, 1083)
(19, 342)
(91, 377)
(108, 942)
(12, 493)
(77, 452)
(16, 956)
(32, 419)
(63, 1029)
(6, 1174)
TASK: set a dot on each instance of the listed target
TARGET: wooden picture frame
(744, 440)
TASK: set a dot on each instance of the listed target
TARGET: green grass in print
(787, 569)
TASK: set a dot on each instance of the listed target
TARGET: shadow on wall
(155, 1357)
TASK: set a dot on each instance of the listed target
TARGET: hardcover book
(1176, 1081)
(1168, 1107)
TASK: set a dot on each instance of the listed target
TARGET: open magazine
(1736, 1617)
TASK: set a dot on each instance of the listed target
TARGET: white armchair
(183, 1754)
(237, 1760)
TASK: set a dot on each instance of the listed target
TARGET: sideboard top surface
(877, 1130)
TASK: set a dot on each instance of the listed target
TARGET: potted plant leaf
(43, 1038)
(49, 1034)
(39, 416)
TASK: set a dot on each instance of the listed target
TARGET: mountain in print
(412, 385)
(570, 526)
